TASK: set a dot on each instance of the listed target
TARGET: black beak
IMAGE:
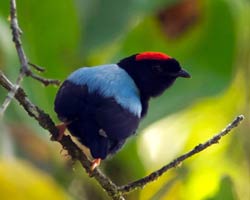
(184, 74)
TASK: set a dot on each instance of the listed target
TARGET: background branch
(156, 174)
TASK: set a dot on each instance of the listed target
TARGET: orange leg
(95, 163)
(61, 128)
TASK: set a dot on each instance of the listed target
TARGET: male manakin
(103, 105)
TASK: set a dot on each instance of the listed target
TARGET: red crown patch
(150, 55)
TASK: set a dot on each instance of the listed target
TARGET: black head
(153, 72)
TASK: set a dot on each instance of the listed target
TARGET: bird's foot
(61, 129)
(95, 163)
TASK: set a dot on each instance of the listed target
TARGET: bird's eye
(157, 68)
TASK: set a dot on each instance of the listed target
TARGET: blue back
(110, 81)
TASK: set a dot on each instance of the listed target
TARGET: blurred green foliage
(210, 38)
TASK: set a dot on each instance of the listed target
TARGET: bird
(102, 106)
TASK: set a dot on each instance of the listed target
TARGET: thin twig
(45, 81)
(36, 67)
(155, 175)
(10, 96)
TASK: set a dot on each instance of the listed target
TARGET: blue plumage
(110, 81)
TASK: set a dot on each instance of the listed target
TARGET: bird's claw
(95, 163)
(61, 129)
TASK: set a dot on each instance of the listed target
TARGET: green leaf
(105, 21)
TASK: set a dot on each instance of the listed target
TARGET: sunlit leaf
(20, 180)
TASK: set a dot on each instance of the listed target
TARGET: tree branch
(45, 81)
(46, 122)
(156, 174)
